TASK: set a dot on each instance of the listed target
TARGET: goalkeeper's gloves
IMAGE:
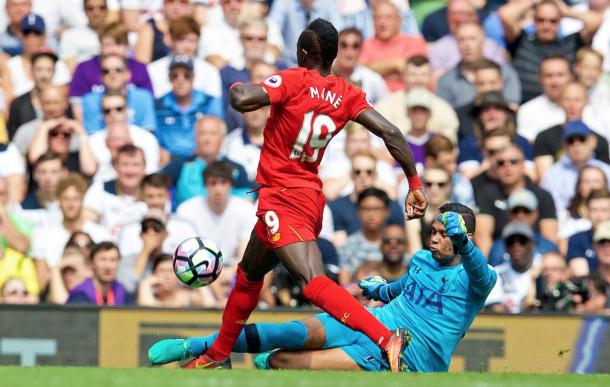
(455, 228)
(375, 288)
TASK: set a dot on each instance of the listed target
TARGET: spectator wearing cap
(10, 39)
(417, 74)
(137, 263)
(115, 77)
(515, 275)
(88, 75)
(581, 256)
(548, 145)
(509, 176)
(457, 85)
(115, 202)
(601, 246)
(419, 111)
(17, 72)
(490, 111)
(530, 50)
(28, 107)
(103, 288)
(522, 207)
(81, 43)
(185, 33)
(180, 109)
(579, 144)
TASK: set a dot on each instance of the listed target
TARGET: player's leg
(325, 359)
(244, 296)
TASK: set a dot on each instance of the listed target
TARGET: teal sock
(256, 338)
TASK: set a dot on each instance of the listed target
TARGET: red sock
(343, 307)
(242, 301)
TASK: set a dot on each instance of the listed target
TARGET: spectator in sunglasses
(115, 78)
(14, 292)
(492, 198)
(522, 207)
(394, 250)
(579, 144)
(82, 241)
(16, 74)
(515, 275)
(179, 110)
(437, 186)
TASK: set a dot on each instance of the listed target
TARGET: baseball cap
(33, 22)
(419, 97)
(523, 198)
(517, 228)
(575, 128)
(602, 232)
(181, 61)
(491, 98)
(155, 214)
(44, 51)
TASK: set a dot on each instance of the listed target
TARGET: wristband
(414, 182)
(235, 84)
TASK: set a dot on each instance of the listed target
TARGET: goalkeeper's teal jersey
(437, 304)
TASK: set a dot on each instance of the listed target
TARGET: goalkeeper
(436, 301)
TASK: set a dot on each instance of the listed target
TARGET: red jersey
(307, 110)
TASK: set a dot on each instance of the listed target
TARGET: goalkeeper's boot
(204, 362)
(167, 351)
(393, 350)
(261, 362)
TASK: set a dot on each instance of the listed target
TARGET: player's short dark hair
(418, 60)
(601, 193)
(465, 211)
(220, 169)
(436, 145)
(157, 180)
(321, 40)
(374, 192)
(486, 64)
(351, 30)
(160, 259)
(49, 156)
(131, 150)
(553, 57)
(103, 246)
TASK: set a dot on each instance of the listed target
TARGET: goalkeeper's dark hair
(465, 211)
(321, 40)
(375, 192)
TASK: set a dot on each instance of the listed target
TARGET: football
(197, 262)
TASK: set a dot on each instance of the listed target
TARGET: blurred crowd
(118, 142)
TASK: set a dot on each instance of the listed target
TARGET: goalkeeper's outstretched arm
(482, 277)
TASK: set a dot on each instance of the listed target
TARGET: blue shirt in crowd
(140, 109)
(498, 253)
(580, 245)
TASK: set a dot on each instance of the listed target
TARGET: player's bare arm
(397, 145)
(247, 98)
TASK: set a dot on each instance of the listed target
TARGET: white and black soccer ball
(197, 262)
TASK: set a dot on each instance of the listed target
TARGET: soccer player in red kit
(309, 105)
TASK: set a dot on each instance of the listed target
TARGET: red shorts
(288, 215)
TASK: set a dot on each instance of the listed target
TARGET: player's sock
(343, 307)
(256, 338)
(242, 301)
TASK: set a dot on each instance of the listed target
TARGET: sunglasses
(82, 244)
(57, 133)
(520, 210)
(118, 109)
(157, 227)
(500, 163)
(574, 139)
(517, 239)
(358, 172)
(108, 70)
(14, 292)
(439, 184)
(355, 46)
(91, 8)
(185, 75)
(543, 20)
(388, 240)
(254, 39)
(603, 242)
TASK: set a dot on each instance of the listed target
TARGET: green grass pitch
(148, 377)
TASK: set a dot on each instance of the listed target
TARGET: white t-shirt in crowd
(80, 42)
(207, 77)
(48, 242)
(370, 82)
(11, 162)
(49, 214)
(58, 14)
(227, 230)
(511, 288)
(141, 138)
(114, 208)
(22, 84)
(237, 147)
